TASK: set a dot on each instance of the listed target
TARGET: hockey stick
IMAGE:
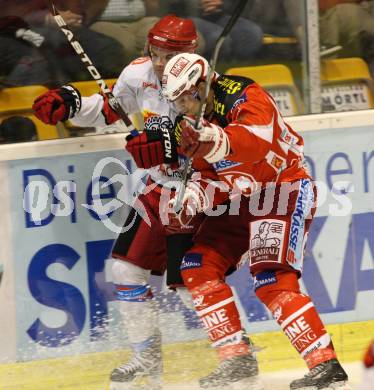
(213, 62)
(113, 102)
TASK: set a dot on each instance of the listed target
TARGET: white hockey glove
(195, 201)
(209, 142)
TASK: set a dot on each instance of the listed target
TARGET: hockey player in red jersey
(143, 248)
(260, 159)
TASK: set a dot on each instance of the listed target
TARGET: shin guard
(215, 305)
(297, 316)
(203, 275)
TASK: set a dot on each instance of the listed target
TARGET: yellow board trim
(183, 361)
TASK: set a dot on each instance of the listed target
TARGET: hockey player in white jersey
(143, 248)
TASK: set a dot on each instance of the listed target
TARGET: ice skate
(238, 372)
(327, 375)
(142, 372)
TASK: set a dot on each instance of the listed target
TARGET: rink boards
(56, 295)
(184, 363)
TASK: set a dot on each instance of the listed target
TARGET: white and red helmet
(173, 33)
(183, 72)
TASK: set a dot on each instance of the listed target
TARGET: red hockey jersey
(263, 147)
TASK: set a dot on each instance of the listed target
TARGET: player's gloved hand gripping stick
(113, 102)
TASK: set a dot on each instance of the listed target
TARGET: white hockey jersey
(138, 90)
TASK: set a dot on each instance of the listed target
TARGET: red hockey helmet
(173, 33)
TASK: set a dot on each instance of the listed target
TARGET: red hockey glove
(153, 147)
(210, 142)
(57, 104)
(110, 115)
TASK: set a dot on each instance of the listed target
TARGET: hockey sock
(297, 316)
(139, 312)
(203, 274)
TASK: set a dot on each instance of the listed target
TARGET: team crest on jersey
(240, 181)
(156, 122)
(266, 240)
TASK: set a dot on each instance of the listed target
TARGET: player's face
(160, 57)
(187, 103)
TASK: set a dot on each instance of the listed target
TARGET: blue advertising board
(60, 246)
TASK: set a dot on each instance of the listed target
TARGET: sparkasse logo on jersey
(223, 164)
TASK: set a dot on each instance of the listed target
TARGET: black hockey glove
(153, 147)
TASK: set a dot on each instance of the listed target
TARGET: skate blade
(335, 386)
(132, 386)
(340, 386)
(139, 383)
(253, 383)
